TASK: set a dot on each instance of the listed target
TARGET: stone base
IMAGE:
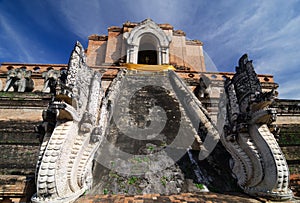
(183, 197)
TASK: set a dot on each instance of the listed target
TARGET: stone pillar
(132, 54)
(128, 55)
(159, 55)
(135, 54)
(164, 55)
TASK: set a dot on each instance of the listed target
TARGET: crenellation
(179, 33)
(96, 37)
(114, 29)
(194, 42)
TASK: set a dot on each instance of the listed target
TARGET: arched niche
(147, 36)
(148, 50)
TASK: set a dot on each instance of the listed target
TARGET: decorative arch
(148, 50)
(147, 32)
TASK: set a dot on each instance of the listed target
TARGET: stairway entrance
(149, 143)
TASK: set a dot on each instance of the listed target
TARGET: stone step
(16, 157)
(165, 148)
(14, 186)
(183, 197)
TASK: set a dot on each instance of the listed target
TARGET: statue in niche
(20, 80)
(50, 80)
(202, 91)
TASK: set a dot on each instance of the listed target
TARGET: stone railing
(197, 114)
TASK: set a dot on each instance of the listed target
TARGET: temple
(135, 113)
(145, 43)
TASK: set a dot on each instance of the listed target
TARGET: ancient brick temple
(137, 113)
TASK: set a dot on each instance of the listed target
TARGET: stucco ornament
(159, 39)
(70, 134)
(258, 163)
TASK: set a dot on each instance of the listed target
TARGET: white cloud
(168, 11)
(268, 31)
(80, 17)
(16, 43)
(289, 88)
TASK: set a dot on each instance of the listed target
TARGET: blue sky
(44, 31)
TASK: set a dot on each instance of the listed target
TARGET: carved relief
(74, 126)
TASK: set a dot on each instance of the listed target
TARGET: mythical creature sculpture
(70, 134)
(203, 89)
(50, 80)
(258, 163)
(20, 80)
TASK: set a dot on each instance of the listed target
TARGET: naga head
(252, 101)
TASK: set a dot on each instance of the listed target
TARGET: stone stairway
(149, 133)
(150, 143)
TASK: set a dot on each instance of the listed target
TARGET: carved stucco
(71, 131)
(244, 115)
(152, 30)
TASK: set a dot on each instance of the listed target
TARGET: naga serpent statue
(244, 115)
(69, 134)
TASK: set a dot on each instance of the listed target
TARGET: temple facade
(145, 43)
(86, 92)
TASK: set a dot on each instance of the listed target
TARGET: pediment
(147, 27)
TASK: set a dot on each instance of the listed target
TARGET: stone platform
(183, 197)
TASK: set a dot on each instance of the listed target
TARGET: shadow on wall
(19, 190)
(179, 63)
(117, 54)
(29, 190)
(100, 54)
